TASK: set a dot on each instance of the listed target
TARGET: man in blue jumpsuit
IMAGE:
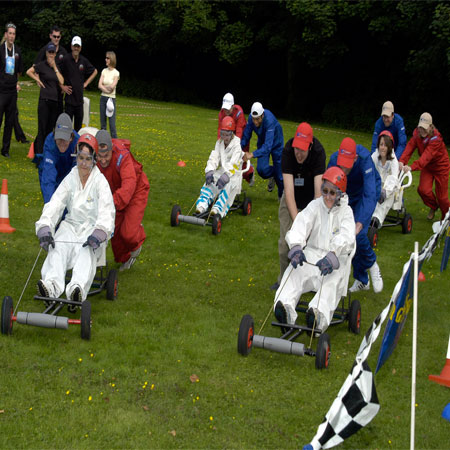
(393, 123)
(363, 190)
(58, 156)
(270, 142)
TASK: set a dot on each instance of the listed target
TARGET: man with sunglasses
(363, 189)
(11, 68)
(302, 164)
(55, 39)
(321, 242)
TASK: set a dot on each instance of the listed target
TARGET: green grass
(178, 313)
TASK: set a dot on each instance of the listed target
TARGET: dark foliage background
(333, 61)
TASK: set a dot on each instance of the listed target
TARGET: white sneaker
(359, 286)
(271, 184)
(133, 256)
(251, 183)
(375, 275)
(200, 209)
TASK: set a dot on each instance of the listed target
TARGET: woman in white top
(107, 84)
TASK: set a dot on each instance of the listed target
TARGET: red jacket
(124, 175)
(239, 118)
(432, 151)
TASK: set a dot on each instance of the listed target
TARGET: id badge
(299, 182)
(10, 62)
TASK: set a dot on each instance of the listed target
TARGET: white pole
(414, 344)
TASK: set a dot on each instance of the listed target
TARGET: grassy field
(161, 369)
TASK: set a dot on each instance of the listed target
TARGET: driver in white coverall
(88, 225)
(223, 176)
(321, 242)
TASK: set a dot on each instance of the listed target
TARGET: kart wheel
(7, 314)
(247, 206)
(112, 283)
(407, 224)
(354, 317)
(323, 351)
(245, 336)
(216, 224)
(176, 211)
(372, 234)
(86, 320)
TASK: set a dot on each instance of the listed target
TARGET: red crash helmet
(336, 176)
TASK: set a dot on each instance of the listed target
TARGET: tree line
(333, 61)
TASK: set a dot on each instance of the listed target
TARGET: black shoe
(75, 296)
(24, 141)
(5, 154)
(310, 317)
(280, 312)
(275, 286)
(42, 289)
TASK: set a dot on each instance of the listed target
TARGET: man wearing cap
(363, 189)
(11, 68)
(58, 156)
(270, 142)
(78, 72)
(393, 123)
(433, 164)
(129, 186)
(229, 108)
(55, 39)
(302, 163)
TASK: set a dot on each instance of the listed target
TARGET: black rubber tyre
(112, 284)
(354, 317)
(323, 351)
(86, 320)
(176, 211)
(372, 234)
(7, 314)
(407, 224)
(247, 206)
(245, 336)
(216, 224)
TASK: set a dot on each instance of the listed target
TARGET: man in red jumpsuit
(236, 112)
(129, 186)
(433, 164)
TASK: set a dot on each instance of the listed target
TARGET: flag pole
(414, 345)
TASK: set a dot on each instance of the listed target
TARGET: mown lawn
(161, 369)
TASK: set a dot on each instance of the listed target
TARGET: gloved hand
(328, 263)
(45, 238)
(209, 177)
(382, 196)
(296, 256)
(95, 239)
(222, 181)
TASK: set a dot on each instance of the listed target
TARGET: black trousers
(76, 114)
(47, 115)
(8, 104)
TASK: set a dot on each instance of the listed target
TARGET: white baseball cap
(257, 109)
(109, 107)
(228, 101)
(425, 121)
(76, 40)
(387, 109)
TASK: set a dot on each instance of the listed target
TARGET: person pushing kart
(223, 176)
(88, 224)
(321, 243)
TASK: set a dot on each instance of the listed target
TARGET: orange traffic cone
(31, 151)
(5, 227)
(444, 377)
(421, 276)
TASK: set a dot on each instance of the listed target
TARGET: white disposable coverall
(223, 160)
(319, 230)
(88, 208)
(389, 182)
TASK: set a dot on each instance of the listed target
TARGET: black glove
(45, 238)
(382, 196)
(209, 177)
(296, 256)
(222, 181)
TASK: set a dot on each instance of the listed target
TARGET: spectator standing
(393, 123)
(302, 164)
(11, 68)
(107, 84)
(78, 73)
(270, 143)
(433, 164)
(49, 79)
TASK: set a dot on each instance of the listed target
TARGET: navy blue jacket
(397, 129)
(363, 185)
(55, 165)
(270, 135)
